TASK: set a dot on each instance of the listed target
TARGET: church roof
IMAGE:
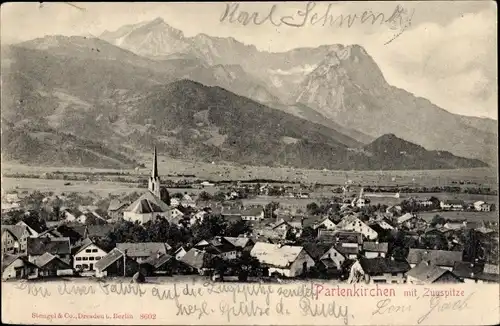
(148, 203)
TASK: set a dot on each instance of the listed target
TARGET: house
(352, 223)
(91, 217)
(326, 254)
(187, 201)
(93, 232)
(198, 260)
(141, 251)
(481, 206)
(59, 247)
(290, 261)
(455, 225)
(159, 264)
(86, 256)
(175, 202)
(425, 273)
(441, 258)
(474, 273)
(378, 270)
(179, 253)
(348, 252)
(241, 243)
(407, 220)
(452, 205)
(71, 214)
(491, 269)
(394, 210)
(50, 265)
(34, 226)
(176, 214)
(326, 223)
(14, 239)
(220, 247)
(146, 208)
(343, 238)
(231, 214)
(252, 214)
(199, 217)
(19, 267)
(375, 249)
(116, 263)
(116, 209)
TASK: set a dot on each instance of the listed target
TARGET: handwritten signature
(400, 17)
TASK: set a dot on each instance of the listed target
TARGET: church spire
(154, 183)
(154, 171)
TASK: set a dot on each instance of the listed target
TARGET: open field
(102, 188)
(223, 171)
(469, 216)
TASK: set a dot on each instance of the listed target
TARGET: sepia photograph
(342, 148)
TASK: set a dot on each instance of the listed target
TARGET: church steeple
(154, 171)
(154, 180)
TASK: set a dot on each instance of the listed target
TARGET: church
(153, 203)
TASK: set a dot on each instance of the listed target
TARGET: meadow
(220, 171)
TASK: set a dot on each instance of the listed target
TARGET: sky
(448, 54)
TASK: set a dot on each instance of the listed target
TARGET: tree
(219, 196)
(270, 208)
(437, 220)
(164, 195)
(236, 228)
(205, 196)
(313, 208)
(290, 235)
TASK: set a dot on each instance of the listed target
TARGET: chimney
(158, 254)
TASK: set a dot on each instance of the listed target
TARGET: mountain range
(215, 98)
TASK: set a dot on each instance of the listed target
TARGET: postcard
(249, 163)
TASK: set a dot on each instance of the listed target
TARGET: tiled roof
(33, 224)
(240, 242)
(9, 259)
(426, 273)
(148, 203)
(197, 258)
(405, 217)
(376, 246)
(46, 258)
(16, 230)
(436, 257)
(275, 255)
(109, 259)
(156, 261)
(143, 249)
(316, 250)
(55, 246)
(374, 266)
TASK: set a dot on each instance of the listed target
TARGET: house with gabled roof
(50, 265)
(86, 255)
(146, 208)
(34, 226)
(18, 267)
(425, 273)
(140, 251)
(325, 223)
(378, 270)
(474, 273)
(14, 239)
(442, 258)
(116, 263)
(161, 264)
(375, 249)
(353, 223)
(59, 247)
(220, 247)
(116, 208)
(289, 261)
(198, 260)
(326, 254)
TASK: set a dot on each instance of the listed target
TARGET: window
(88, 250)
(78, 258)
(94, 250)
(78, 266)
(91, 258)
(394, 274)
(97, 258)
(85, 266)
(85, 258)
